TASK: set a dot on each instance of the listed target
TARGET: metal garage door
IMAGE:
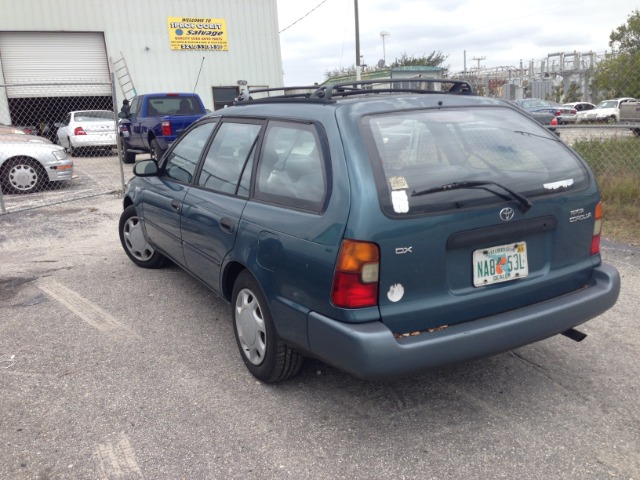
(33, 60)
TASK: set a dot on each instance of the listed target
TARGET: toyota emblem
(507, 214)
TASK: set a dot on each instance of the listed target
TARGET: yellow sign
(187, 33)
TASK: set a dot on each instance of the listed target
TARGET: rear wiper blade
(525, 204)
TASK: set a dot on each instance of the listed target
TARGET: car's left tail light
(597, 230)
(355, 281)
(79, 131)
(166, 128)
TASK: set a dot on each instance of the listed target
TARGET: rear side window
(420, 150)
(226, 159)
(292, 167)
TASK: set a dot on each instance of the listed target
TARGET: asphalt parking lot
(109, 371)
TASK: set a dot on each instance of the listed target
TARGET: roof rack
(328, 93)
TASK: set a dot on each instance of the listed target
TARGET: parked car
(382, 232)
(10, 129)
(547, 119)
(537, 105)
(28, 163)
(87, 129)
(606, 111)
(155, 120)
(576, 108)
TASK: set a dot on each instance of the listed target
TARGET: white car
(28, 163)
(87, 129)
(606, 111)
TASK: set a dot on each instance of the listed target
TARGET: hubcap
(135, 241)
(23, 177)
(250, 326)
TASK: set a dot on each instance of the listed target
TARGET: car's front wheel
(264, 353)
(23, 175)
(135, 243)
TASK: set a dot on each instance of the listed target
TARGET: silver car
(29, 163)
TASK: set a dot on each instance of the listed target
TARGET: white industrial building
(56, 56)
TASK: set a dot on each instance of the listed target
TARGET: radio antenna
(198, 77)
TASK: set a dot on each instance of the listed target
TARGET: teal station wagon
(382, 227)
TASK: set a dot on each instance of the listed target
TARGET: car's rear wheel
(23, 175)
(135, 243)
(127, 155)
(156, 150)
(264, 353)
(70, 150)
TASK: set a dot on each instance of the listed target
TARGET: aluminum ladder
(124, 77)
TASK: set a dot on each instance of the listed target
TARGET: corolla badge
(507, 214)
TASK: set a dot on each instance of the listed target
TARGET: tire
(264, 353)
(156, 151)
(23, 175)
(134, 242)
(70, 150)
(127, 156)
(636, 131)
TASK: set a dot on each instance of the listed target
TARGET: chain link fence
(58, 143)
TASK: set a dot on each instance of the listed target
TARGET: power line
(305, 15)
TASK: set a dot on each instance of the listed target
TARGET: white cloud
(505, 33)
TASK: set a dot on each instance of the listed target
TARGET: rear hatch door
(481, 211)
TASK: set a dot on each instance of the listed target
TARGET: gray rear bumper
(371, 351)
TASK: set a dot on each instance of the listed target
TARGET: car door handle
(227, 224)
(175, 205)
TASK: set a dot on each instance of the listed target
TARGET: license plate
(502, 263)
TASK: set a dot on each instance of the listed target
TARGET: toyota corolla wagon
(384, 227)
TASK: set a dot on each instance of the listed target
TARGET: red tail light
(554, 122)
(355, 282)
(166, 128)
(597, 230)
(79, 131)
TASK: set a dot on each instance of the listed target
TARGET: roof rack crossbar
(327, 93)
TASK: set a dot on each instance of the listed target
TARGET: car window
(135, 106)
(421, 150)
(227, 156)
(181, 161)
(292, 167)
(174, 105)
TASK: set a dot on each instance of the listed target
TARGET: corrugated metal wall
(138, 29)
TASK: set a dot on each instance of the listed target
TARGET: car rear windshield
(420, 150)
(94, 116)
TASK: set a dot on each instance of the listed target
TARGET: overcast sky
(503, 32)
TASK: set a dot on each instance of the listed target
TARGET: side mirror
(145, 168)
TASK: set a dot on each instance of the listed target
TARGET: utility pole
(479, 59)
(358, 76)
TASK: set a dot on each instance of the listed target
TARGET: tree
(434, 59)
(617, 75)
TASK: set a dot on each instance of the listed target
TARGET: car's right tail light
(355, 282)
(166, 128)
(597, 230)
